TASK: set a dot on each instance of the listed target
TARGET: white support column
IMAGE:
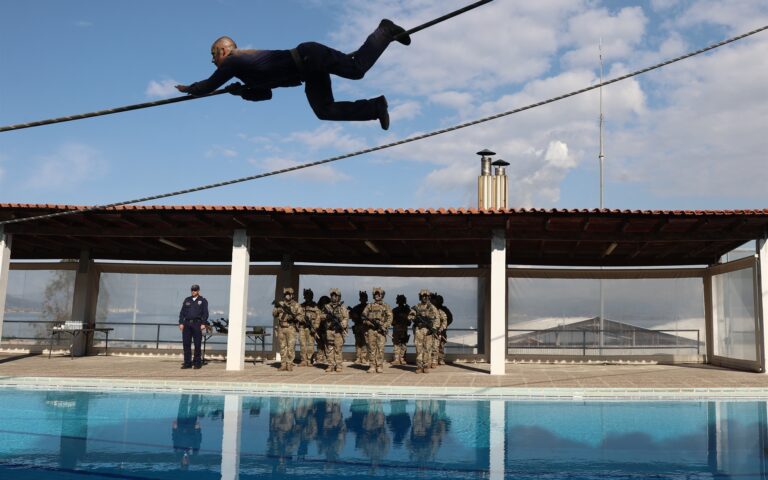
(498, 287)
(238, 300)
(84, 299)
(5, 271)
(496, 437)
(230, 443)
(762, 301)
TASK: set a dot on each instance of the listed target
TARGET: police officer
(426, 320)
(400, 324)
(193, 317)
(335, 320)
(287, 313)
(377, 317)
(308, 326)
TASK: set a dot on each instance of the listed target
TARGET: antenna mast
(601, 156)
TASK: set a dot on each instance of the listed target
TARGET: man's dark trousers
(192, 331)
(321, 61)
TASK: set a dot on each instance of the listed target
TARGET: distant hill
(13, 302)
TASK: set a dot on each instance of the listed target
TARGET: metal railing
(161, 336)
(573, 339)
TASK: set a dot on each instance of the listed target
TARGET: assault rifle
(335, 320)
(291, 318)
(423, 322)
(376, 324)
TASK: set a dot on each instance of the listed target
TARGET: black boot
(383, 109)
(394, 30)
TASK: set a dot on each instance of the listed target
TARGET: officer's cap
(308, 291)
(423, 292)
(401, 297)
(195, 288)
(335, 291)
(378, 290)
(287, 290)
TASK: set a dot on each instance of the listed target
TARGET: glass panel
(144, 308)
(735, 314)
(35, 300)
(642, 316)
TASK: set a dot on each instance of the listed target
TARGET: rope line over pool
(387, 145)
(157, 103)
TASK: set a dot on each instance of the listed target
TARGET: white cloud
(327, 136)
(218, 151)
(83, 24)
(69, 167)
(405, 111)
(452, 99)
(320, 173)
(708, 136)
(161, 89)
(620, 34)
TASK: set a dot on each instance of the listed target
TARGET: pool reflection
(92, 435)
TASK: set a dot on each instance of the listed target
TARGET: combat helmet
(424, 292)
(335, 291)
(378, 290)
(288, 290)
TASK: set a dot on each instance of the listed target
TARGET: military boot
(329, 368)
(379, 369)
(339, 368)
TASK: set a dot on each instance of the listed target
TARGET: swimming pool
(76, 434)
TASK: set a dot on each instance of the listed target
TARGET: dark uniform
(312, 63)
(193, 315)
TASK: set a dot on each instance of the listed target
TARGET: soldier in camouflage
(358, 329)
(322, 341)
(335, 318)
(287, 313)
(441, 326)
(426, 319)
(400, 324)
(308, 325)
(377, 318)
(445, 321)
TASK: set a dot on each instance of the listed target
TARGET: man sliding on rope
(311, 63)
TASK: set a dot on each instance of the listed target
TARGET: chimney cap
(500, 163)
(486, 153)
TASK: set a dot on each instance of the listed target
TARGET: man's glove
(253, 94)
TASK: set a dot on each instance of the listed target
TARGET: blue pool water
(86, 435)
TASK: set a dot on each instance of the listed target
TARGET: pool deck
(521, 381)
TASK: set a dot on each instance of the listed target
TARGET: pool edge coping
(384, 391)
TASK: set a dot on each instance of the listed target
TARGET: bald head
(221, 49)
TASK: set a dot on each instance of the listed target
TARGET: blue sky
(691, 135)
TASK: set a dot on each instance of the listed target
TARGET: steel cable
(387, 145)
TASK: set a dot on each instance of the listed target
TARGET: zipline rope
(387, 145)
(157, 103)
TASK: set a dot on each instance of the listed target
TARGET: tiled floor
(469, 379)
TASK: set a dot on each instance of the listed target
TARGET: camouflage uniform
(287, 314)
(359, 329)
(444, 324)
(425, 318)
(335, 330)
(310, 321)
(377, 318)
(436, 341)
(320, 331)
(400, 324)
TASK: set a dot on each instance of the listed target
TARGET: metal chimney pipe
(485, 181)
(500, 185)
